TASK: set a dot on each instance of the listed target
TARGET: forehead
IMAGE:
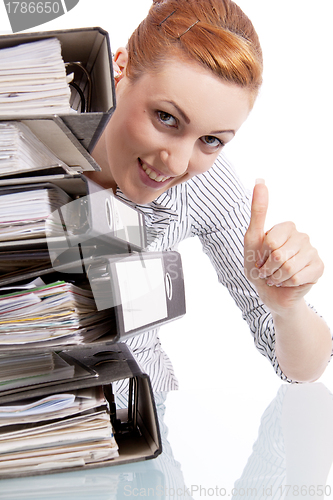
(196, 91)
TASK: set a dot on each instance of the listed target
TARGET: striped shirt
(214, 207)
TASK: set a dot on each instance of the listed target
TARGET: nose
(177, 157)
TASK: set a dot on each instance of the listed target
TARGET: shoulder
(217, 200)
(219, 185)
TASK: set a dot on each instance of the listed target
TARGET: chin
(145, 200)
(141, 198)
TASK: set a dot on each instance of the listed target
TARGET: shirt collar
(165, 204)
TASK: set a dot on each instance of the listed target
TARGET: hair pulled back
(221, 38)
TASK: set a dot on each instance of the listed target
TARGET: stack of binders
(75, 279)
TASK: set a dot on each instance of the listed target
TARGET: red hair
(221, 38)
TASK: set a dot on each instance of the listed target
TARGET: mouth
(152, 174)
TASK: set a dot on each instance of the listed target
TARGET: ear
(120, 60)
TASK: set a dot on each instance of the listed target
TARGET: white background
(286, 140)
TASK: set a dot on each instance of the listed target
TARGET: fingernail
(259, 263)
(260, 181)
(270, 283)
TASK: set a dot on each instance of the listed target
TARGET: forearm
(303, 343)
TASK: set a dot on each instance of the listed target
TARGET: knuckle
(294, 280)
(317, 263)
(288, 267)
(305, 238)
(277, 256)
(291, 225)
(270, 242)
(321, 268)
(288, 226)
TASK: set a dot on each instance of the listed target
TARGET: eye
(167, 119)
(212, 142)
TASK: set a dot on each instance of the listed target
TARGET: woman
(185, 84)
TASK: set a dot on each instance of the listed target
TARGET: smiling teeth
(153, 175)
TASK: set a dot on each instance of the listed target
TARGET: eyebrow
(187, 120)
(180, 111)
(216, 132)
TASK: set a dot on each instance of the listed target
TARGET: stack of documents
(21, 151)
(21, 260)
(24, 212)
(59, 430)
(58, 232)
(59, 313)
(33, 79)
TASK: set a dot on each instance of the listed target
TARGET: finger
(297, 271)
(288, 271)
(279, 246)
(277, 242)
(259, 209)
(299, 279)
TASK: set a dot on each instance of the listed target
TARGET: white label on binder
(142, 292)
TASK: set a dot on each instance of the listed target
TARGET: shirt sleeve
(220, 214)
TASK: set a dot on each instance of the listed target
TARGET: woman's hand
(281, 263)
(283, 266)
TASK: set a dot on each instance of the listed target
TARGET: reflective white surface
(226, 443)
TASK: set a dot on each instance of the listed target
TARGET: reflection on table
(293, 454)
(291, 458)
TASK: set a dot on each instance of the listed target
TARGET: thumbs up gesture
(281, 263)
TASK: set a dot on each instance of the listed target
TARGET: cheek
(201, 163)
(137, 132)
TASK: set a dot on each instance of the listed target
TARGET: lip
(148, 181)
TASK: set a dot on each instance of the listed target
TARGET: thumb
(258, 210)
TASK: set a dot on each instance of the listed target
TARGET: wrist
(292, 311)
